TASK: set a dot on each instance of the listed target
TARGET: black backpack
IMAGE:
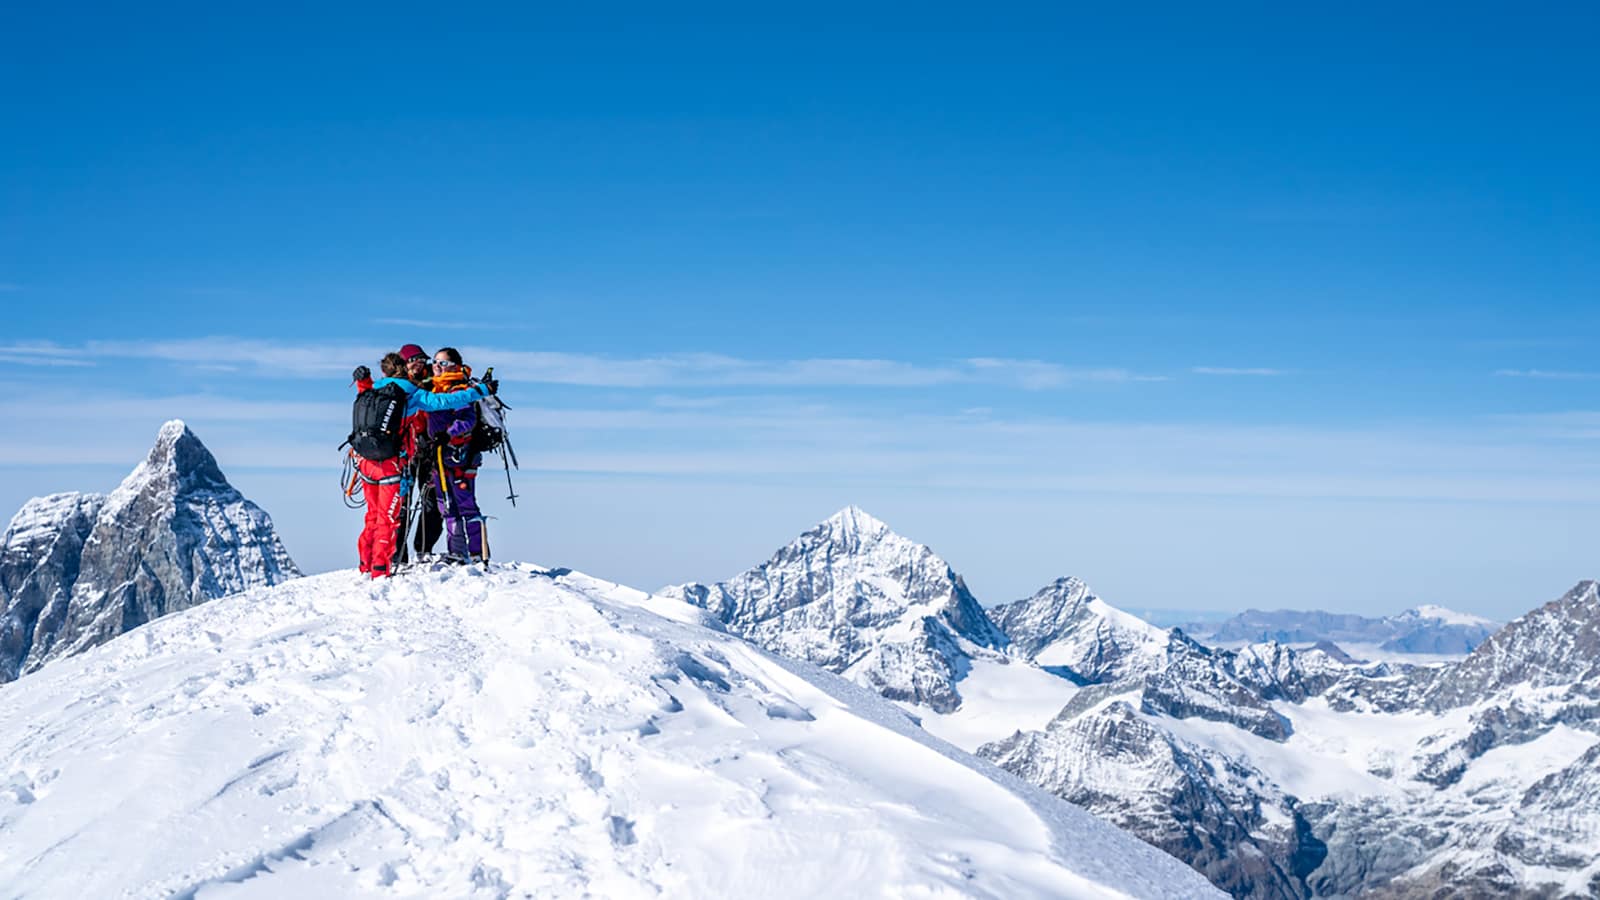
(486, 437)
(376, 421)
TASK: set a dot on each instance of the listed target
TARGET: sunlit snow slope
(460, 733)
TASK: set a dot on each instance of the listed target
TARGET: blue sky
(1213, 309)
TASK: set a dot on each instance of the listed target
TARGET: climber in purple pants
(454, 463)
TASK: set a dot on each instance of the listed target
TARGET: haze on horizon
(1287, 309)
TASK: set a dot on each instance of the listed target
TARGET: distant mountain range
(1422, 630)
(79, 569)
(1276, 772)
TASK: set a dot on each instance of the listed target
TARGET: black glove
(362, 373)
(492, 385)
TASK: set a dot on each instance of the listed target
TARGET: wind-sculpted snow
(80, 569)
(506, 733)
(857, 599)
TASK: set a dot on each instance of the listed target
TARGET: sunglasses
(417, 359)
(444, 364)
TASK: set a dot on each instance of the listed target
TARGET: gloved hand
(362, 373)
(492, 385)
(459, 428)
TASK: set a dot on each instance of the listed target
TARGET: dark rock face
(1276, 672)
(78, 570)
(1199, 686)
(1492, 727)
(853, 597)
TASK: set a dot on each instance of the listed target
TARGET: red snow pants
(380, 484)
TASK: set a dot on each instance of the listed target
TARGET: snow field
(464, 734)
(998, 700)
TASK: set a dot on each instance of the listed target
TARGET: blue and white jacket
(420, 401)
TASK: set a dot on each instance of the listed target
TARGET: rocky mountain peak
(79, 569)
(852, 596)
(1067, 629)
(179, 461)
(1556, 644)
(853, 521)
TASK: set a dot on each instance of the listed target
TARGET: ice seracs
(78, 569)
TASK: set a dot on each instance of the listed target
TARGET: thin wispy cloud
(429, 324)
(1246, 372)
(652, 372)
(1500, 460)
(43, 353)
(27, 359)
(280, 358)
(1036, 375)
(1547, 374)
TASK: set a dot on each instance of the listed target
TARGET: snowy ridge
(1067, 629)
(39, 520)
(517, 732)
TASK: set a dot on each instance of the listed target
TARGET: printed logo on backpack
(375, 422)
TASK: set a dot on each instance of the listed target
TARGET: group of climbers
(413, 430)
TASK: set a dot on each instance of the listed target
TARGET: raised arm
(427, 401)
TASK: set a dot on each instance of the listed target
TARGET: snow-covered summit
(515, 732)
(1446, 615)
(79, 569)
(1067, 628)
(854, 524)
(177, 462)
(852, 596)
